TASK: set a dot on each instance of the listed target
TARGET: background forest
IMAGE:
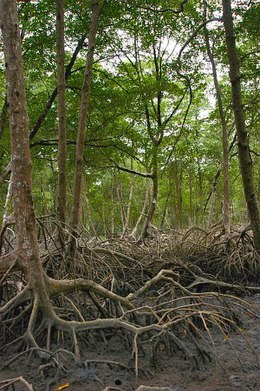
(129, 171)
(153, 113)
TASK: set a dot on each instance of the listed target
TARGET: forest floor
(221, 358)
(235, 366)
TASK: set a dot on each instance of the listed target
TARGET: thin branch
(130, 171)
(164, 10)
(51, 99)
(193, 35)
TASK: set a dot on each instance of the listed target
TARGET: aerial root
(148, 297)
(5, 384)
(160, 310)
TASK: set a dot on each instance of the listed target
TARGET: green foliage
(135, 65)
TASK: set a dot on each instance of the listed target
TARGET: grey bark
(27, 250)
(84, 109)
(242, 134)
(61, 86)
(225, 149)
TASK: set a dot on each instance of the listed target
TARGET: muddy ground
(236, 366)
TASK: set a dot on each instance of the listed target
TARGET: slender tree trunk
(103, 217)
(191, 217)
(177, 174)
(165, 210)
(61, 86)
(226, 217)
(112, 205)
(179, 179)
(171, 202)
(140, 217)
(128, 208)
(120, 197)
(84, 108)
(91, 225)
(211, 196)
(27, 245)
(201, 216)
(242, 136)
(212, 206)
(154, 200)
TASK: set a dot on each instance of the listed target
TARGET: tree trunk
(212, 195)
(133, 234)
(165, 210)
(212, 206)
(191, 196)
(112, 205)
(27, 248)
(226, 202)
(84, 108)
(91, 226)
(179, 198)
(242, 136)
(128, 208)
(120, 197)
(61, 85)
(154, 200)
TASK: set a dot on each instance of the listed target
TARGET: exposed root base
(149, 298)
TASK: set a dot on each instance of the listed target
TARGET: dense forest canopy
(153, 114)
